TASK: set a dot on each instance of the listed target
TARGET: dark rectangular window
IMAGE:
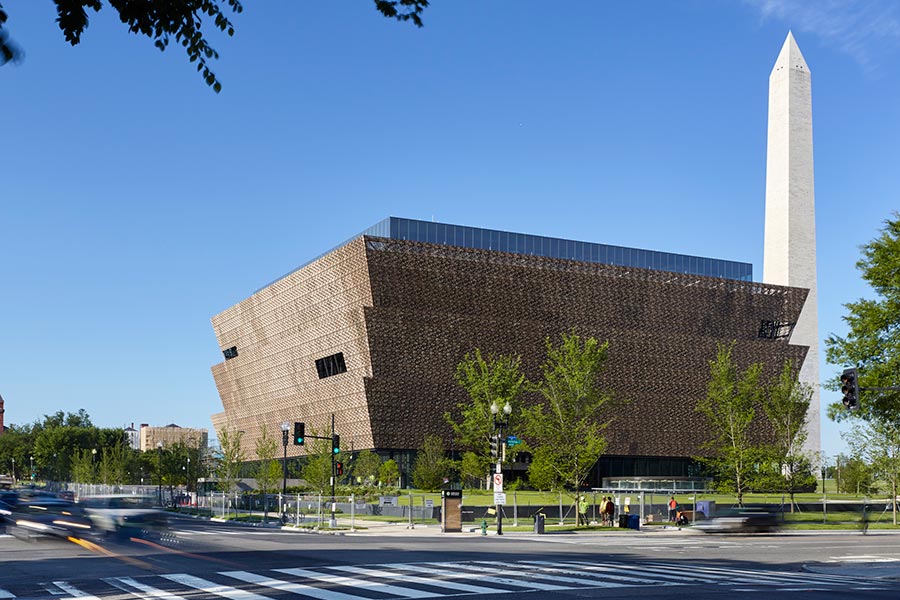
(230, 352)
(331, 365)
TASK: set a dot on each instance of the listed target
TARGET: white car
(129, 516)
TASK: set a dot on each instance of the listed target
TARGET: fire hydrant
(483, 527)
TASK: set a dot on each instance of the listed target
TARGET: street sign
(512, 440)
(498, 482)
(499, 498)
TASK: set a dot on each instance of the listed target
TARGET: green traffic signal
(299, 434)
(336, 444)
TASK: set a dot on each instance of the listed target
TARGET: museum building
(372, 331)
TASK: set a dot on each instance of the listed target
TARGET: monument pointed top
(790, 56)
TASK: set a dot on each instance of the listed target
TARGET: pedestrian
(583, 508)
(673, 509)
(603, 505)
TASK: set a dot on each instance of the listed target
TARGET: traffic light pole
(333, 475)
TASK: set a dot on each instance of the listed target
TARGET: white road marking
(151, 592)
(294, 588)
(356, 582)
(461, 587)
(213, 588)
(73, 591)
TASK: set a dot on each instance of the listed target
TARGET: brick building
(170, 434)
(372, 331)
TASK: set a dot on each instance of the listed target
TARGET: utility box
(706, 509)
(451, 511)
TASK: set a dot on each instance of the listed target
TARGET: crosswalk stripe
(744, 575)
(356, 582)
(151, 592)
(73, 591)
(213, 588)
(294, 588)
(619, 567)
(453, 585)
(481, 577)
(5, 594)
(535, 585)
(586, 571)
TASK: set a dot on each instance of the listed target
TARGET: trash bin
(634, 522)
(623, 521)
(539, 522)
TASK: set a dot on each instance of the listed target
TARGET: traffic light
(495, 447)
(336, 444)
(850, 389)
(339, 467)
(299, 434)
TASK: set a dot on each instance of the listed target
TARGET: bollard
(484, 527)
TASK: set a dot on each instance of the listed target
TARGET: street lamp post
(93, 464)
(501, 423)
(31, 464)
(159, 446)
(14, 470)
(284, 444)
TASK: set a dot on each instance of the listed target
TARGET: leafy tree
(786, 405)
(15, 448)
(729, 409)
(317, 471)
(365, 467)
(180, 21)
(566, 429)
(112, 465)
(230, 459)
(266, 449)
(542, 474)
(82, 466)
(472, 468)
(495, 379)
(877, 442)
(873, 343)
(431, 465)
(854, 476)
(389, 473)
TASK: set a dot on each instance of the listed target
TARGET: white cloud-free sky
(135, 203)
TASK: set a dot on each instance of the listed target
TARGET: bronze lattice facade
(403, 313)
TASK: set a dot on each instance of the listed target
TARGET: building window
(331, 365)
(230, 352)
(774, 330)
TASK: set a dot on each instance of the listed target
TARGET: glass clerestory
(521, 243)
(398, 228)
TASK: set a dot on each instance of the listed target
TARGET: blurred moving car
(746, 520)
(30, 518)
(126, 516)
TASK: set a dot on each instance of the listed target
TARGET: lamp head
(494, 407)
(507, 409)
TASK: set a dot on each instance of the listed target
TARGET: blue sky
(135, 203)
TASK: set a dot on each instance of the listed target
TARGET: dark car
(746, 520)
(37, 517)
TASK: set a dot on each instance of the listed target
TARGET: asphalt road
(199, 560)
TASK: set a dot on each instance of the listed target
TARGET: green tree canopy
(567, 428)
(786, 405)
(365, 467)
(729, 408)
(181, 21)
(431, 466)
(389, 473)
(495, 379)
(873, 340)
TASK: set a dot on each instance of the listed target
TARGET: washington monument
(790, 243)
